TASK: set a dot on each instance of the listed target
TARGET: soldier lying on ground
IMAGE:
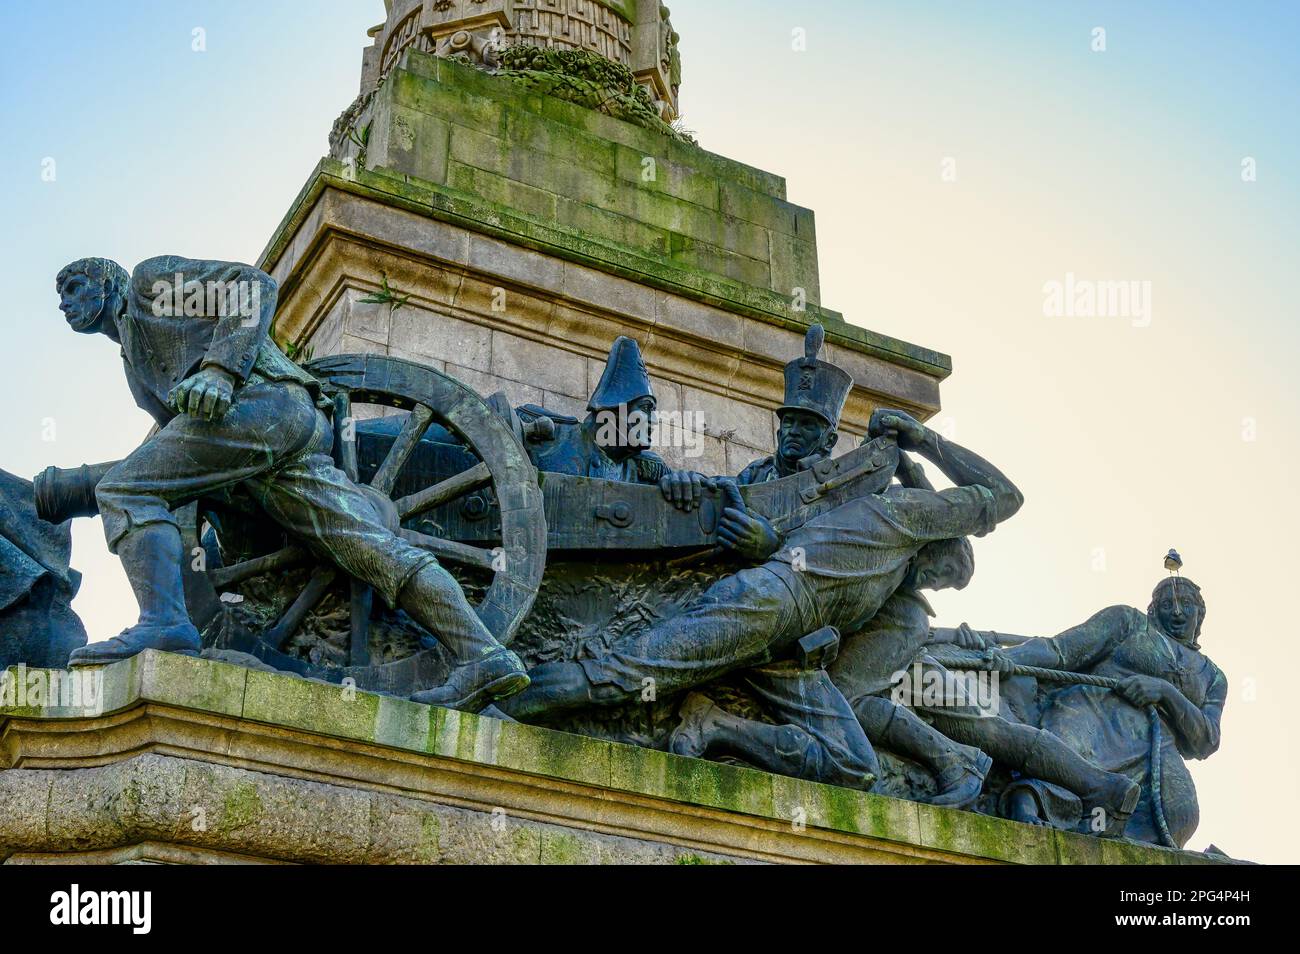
(895, 642)
(233, 410)
(1157, 659)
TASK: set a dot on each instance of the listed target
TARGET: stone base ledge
(197, 761)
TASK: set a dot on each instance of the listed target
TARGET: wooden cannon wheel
(517, 563)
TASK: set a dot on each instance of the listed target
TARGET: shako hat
(816, 386)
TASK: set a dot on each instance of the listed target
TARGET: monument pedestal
(519, 235)
(195, 761)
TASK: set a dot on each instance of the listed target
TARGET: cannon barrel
(64, 493)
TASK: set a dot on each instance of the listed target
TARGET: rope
(1060, 675)
(1157, 803)
(960, 660)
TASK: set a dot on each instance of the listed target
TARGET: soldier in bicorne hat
(613, 441)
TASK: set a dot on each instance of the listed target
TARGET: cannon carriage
(451, 473)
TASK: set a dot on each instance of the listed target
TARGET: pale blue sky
(1118, 165)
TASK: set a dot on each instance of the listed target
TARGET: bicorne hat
(625, 378)
(816, 386)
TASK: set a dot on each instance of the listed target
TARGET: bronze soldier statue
(232, 410)
(841, 732)
(613, 441)
(808, 422)
(37, 584)
(1165, 707)
(815, 392)
(955, 734)
(815, 734)
(598, 446)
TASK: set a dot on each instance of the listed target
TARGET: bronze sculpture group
(804, 607)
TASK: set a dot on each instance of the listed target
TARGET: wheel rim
(517, 564)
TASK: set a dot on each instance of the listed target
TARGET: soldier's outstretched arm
(963, 467)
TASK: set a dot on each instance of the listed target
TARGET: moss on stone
(556, 754)
(1115, 851)
(689, 859)
(428, 846)
(338, 711)
(695, 781)
(570, 244)
(210, 686)
(241, 806)
(586, 79)
(402, 724)
(192, 683)
(560, 848)
(969, 833)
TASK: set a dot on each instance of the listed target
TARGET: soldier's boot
(786, 749)
(694, 733)
(485, 670)
(558, 687)
(1113, 794)
(959, 770)
(151, 556)
(960, 782)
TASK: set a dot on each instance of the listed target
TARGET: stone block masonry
(198, 761)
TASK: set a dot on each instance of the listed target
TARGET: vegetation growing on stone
(586, 79)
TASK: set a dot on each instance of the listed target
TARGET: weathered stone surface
(616, 56)
(332, 193)
(443, 337)
(563, 315)
(520, 359)
(281, 769)
(446, 124)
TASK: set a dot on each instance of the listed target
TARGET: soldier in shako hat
(815, 392)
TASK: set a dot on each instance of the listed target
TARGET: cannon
(454, 477)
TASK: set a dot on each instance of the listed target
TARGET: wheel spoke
(441, 492)
(386, 476)
(345, 436)
(363, 598)
(307, 600)
(449, 550)
(279, 560)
